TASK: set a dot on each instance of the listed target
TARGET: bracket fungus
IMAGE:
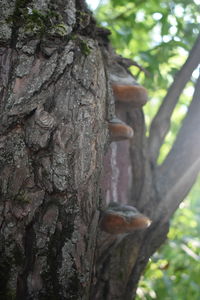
(118, 219)
(126, 90)
(119, 130)
(134, 95)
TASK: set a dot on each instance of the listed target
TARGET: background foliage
(158, 35)
(173, 272)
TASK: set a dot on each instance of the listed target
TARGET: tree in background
(56, 104)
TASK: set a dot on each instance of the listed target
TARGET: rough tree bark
(56, 100)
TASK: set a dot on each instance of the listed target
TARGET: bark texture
(54, 107)
(55, 102)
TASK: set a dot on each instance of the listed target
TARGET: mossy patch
(40, 23)
(22, 198)
(85, 48)
(82, 44)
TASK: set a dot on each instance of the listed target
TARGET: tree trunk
(53, 133)
(56, 101)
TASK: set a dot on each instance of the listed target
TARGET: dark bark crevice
(29, 259)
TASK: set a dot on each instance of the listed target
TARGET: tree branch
(182, 165)
(161, 122)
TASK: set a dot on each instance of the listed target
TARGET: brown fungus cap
(135, 96)
(119, 130)
(118, 219)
